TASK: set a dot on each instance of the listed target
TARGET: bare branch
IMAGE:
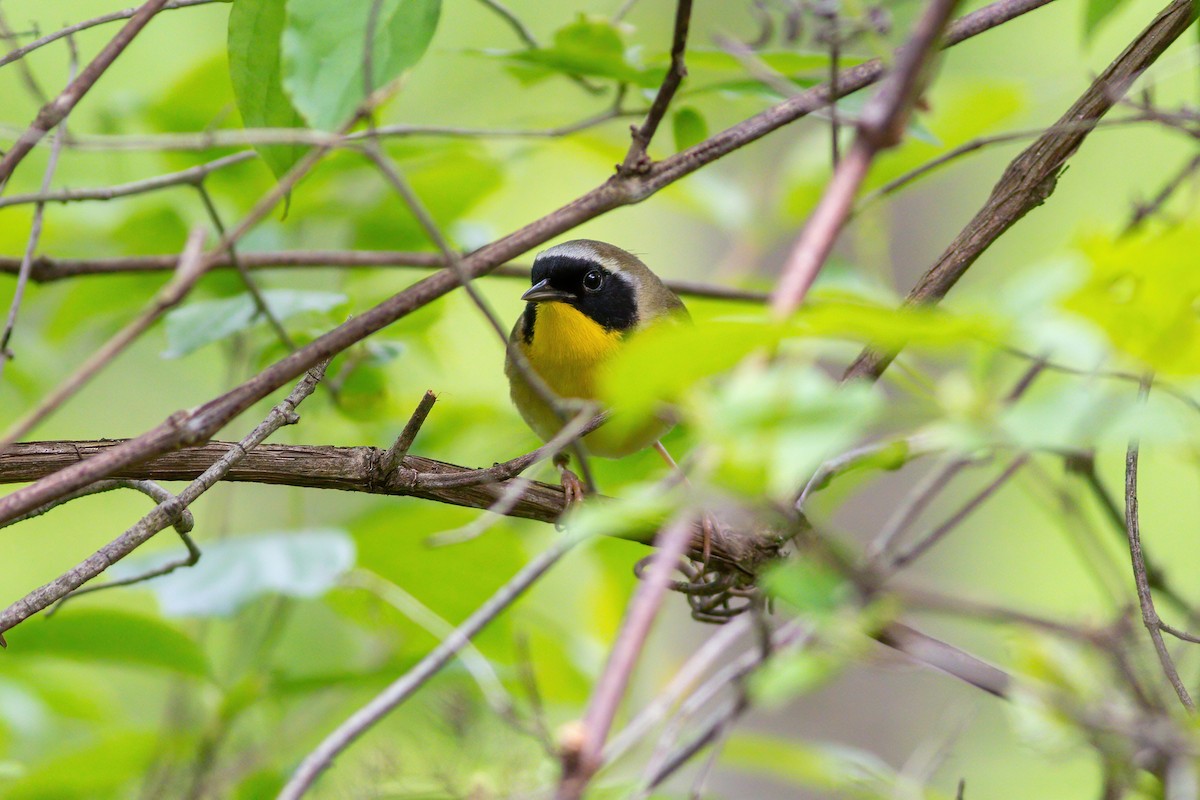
(163, 515)
(1154, 624)
(46, 270)
(360, 469)
(881, 126)
(636, 159)
(35, 235)
(403, 687)
(1032, 176)
(244, 137)
(115, 16)
(187, 177)
(395, 454)
(579, 765)
(57, 109)
(187, 273)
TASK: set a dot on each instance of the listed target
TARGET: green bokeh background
(80, 727)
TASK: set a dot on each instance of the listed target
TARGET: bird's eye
(593, 280)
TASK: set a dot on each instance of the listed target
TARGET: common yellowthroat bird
(586, 299)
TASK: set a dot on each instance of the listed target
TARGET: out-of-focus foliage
(214, 681)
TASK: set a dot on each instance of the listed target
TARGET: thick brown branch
(1032, 176)
(349, 469)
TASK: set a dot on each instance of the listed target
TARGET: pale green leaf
(592, 47)
(233, 572)
(197, 324)
(324, 52)
(1142, 292)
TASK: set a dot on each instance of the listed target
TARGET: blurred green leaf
(689, 128)
(769, 429)
(808, 586)
(1095, 12)
(235, 571)
(194, 325)
(323, 52)
(117, 637)
(93, 770)
(255, 30)
(392, 542)
(648, 372)
(592, 47)
(832, 768)
(1142, 292)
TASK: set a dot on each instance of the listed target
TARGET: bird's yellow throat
(567, 349)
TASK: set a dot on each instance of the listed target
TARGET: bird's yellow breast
(567, 349)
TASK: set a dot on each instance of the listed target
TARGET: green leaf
(255, 29)
(592, 47)
(98, 769)
(769, 429)
(1143, 292)
(689, 127)
(1094, 14)
(825, 767)
(323, 52)
(808, 586)
(197, 324)
(116, 637)
(233, 572)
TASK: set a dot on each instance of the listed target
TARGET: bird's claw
(573, 488)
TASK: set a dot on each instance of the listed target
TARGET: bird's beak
(543, 292)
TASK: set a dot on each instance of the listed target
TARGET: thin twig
(46, 270)
(922, 544)
(580, 765)
(256, 295)
(881, 126)
(147, 487)
(514, 22)
(1154, 624)
(27, 77)
(187, 177)
(636, 159)
(115, 16)
(403, 687)
(979, 143)
(188, 271)
(31, 245)
(243, 137)
(163, 515)
(1030, 179)
(395, 454)
(1143, 211)
(57, 109)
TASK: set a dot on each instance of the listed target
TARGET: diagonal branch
(403, 687)
(1032, 176)
(57, 109)
(164, 514)
(881, 126)
(636, 159)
